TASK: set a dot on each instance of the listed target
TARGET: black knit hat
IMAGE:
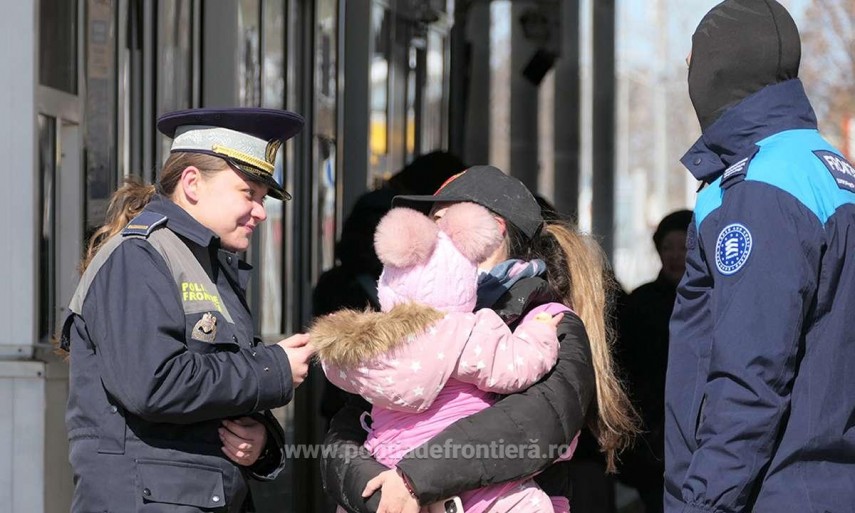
(740, 47)
(490, 188)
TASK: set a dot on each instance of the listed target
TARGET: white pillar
(18, 203)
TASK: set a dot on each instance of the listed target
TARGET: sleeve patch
(732, 248)
(842, 171)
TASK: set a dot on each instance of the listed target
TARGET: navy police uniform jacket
(760, 409)
(161, 350)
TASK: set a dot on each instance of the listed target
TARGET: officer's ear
(190, 183)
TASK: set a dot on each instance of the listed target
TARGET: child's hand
(548, 319)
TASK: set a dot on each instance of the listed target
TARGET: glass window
(326, 79)
(271, 281)
(100, 131)
(379, 93)
(411, 105)
(58, 44)
(249, 70)
(47, 225)
(175, 65)
(273, 51)
(433, 114)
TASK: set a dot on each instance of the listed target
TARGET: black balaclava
(740, 47)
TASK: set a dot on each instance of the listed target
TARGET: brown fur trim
(348, 338)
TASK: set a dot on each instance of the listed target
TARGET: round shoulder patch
(732, 248)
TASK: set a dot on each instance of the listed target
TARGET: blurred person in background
(643, 354)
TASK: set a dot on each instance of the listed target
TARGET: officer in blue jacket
(169, 389)
(760, 410)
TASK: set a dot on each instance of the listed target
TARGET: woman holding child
(537, 263)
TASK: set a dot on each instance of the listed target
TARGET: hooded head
(435, 264)
(740, 47)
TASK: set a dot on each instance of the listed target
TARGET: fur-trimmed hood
(349, 337)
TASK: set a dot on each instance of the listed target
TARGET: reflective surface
(100, 135)
(58, 44)
(174, 58)
(325, 137)
(47, 224)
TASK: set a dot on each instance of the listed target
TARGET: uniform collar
(773, 109)
(181, 222)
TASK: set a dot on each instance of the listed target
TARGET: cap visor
(274, 190)
(424, 203)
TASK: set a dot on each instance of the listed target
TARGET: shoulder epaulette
(736, 172)
(143, 224)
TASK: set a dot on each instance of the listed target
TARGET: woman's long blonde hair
(132, 197)
(577, 272)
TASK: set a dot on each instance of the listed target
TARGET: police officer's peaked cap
(247, 138)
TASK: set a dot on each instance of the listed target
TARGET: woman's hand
(546, 318)
(243, 440)
(394, 496)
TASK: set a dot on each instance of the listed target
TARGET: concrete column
(357, 102)
(477, 102)
(567, 102)
(220, 59)
(524, 111)
(604, 123)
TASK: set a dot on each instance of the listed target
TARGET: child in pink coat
(426, 359)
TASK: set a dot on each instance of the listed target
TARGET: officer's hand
(243, 440)
(299, 354)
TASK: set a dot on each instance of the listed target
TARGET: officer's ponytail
(125, 204)
(132, 197)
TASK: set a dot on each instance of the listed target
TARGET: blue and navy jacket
(760, 393)
(155, 367)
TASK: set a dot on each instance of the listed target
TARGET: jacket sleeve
(273, 459)
(345, 466)
(409, 376)
(497, 360)
(759, 307)
(535, 424)
(136, 322)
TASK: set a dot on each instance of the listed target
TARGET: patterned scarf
(493, 284)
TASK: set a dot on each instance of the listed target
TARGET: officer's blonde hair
(132, 197)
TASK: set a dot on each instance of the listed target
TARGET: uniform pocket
(700, 418)
(185, 484)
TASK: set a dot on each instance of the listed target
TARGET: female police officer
(169, 388)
